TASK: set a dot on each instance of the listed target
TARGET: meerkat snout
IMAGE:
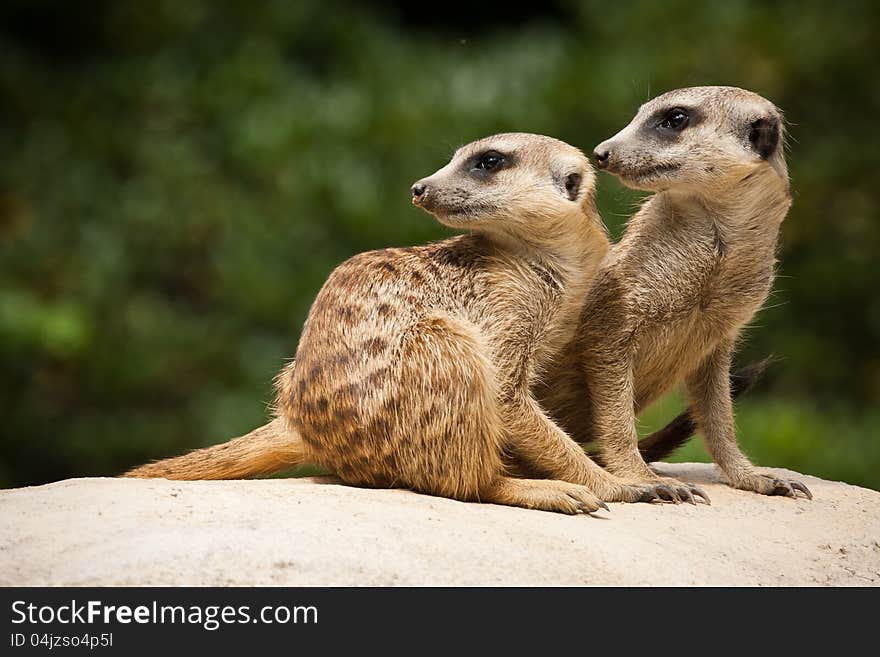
(419, 193)
(601, 155)
(609, 156)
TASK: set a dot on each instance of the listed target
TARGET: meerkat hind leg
(450, 414)
(709, 390)
(461, 452)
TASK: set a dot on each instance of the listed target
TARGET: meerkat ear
(570, 184)
(573, 185)
(764, 136)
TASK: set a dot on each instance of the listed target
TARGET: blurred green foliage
(178, 179)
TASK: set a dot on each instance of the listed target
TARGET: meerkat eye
(675, 120)
(489, 161)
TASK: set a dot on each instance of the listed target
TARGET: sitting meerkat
(694, 265)
(415, 365)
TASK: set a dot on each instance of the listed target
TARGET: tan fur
(270, 448)
(693, 267)
(415, 365)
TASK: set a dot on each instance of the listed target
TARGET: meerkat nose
(601, 155)
(419, 191)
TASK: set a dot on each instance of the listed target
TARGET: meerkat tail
(271, 448)
(663, 442)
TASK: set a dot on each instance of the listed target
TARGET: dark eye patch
(670, 122)
(674, 120)
(488, 162)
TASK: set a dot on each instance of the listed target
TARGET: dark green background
(178, 179)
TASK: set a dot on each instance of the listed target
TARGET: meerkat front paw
(655, 487)
(675, 491)
(659, 490)
(767, 484)
(667, 490)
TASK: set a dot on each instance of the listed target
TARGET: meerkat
(415, 365)
(694, 265)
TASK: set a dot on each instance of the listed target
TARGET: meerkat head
(698, 139)
(516, 184)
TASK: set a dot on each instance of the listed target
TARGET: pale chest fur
(695, 284)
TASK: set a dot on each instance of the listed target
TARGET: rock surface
(315, 532)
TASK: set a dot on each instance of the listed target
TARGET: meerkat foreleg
(543, 494)
(544, 447)
(612, 397)
(709, 390)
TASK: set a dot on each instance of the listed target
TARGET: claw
(699, 492)
(783, 488)
(796, 485)
(671, 496)
(584, 508)
(686, 496)
(649, 495)
(587, 511)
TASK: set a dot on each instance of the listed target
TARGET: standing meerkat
(695, 264)
(415, 365)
